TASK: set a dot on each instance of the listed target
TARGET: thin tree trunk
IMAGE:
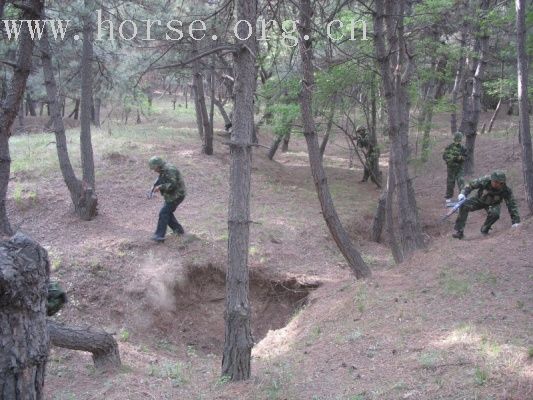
(238, 339)
(329, 125)
(102, 345)
(83, 197)
(74, 112)
(24, 272)
(97, 109)
(472, 94)
(286, 139)
(379, 218)
(11, 106)
(199, 121)
(523, 102)
(496, 111)
(207, 147)
(212, 102)
(455, 90)
(274, 147)
(339, 234)
(30, 105)
(86, 148)
(220, 106)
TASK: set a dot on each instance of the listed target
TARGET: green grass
(452, 285)
(428, 359)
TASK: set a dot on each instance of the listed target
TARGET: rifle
(150, 194)
(454, 209)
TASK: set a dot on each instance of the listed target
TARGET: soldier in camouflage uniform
(170, 185)
(55, 299)
(454, 155)
(491, 191)
(370, 153)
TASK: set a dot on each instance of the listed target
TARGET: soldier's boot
(458, 235)
(485, 230)
(158, 239)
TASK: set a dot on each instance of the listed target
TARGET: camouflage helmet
(360, 128)
(155, 162)
(458, 136)
(498, 176)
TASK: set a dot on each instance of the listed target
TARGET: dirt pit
(196, 315)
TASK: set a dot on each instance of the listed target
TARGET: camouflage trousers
(474, 204)
(455, 174)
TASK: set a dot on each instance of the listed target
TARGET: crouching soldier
(171, 186)
(491, 191)
(55, 299)
(455, 156)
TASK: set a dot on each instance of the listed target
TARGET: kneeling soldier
(491, 191)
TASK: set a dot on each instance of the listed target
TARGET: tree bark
(199, 119)
(472, 90)
(285, 141)
(339, 234)
(523, 101)
(86, 147)
(96, 111)
(102, 345)
(30, 105)
(24, 273)
(83, 197)
(379, 218)
(76, 110)
(207, 147)
(274, 147)
(396, 71)
(11, 106)
(220, 106)
(329, 125)
(238, 340)
(459, 76)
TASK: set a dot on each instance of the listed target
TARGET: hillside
(454, 322)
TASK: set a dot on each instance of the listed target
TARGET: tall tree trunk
(285, 143)
(274, 147)
(74, 114)
(83, 197)
(238, 339)
(207, 147)
(97, 109)
(472, 92)
(212, 102)
(523, 101)
(329, 124)
(396, 71)
(459, 76)
(222, 111)
(30, 105)
(24, 272)
(11, 106)
(86, 147)
(199, 119)
(339, 234)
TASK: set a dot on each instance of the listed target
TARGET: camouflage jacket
(171, 183)
(455, 155)
(362, 140)
(490, 196)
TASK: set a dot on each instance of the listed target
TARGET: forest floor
(453, 322)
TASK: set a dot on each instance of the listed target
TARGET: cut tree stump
(102, 345)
